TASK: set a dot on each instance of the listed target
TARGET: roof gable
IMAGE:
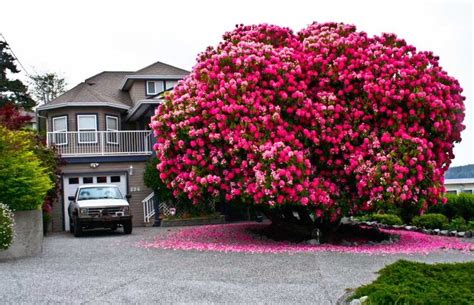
(159, 68)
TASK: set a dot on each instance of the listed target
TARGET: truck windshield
(106, 192)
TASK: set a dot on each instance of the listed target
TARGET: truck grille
(103, 211)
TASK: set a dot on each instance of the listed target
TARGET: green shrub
(24, 181)
(388, 219)
(461, 205)
(465, 206)
(458, 224)
(406, 282)
(430, 221)
(6, 227)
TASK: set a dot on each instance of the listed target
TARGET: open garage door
(71, 182)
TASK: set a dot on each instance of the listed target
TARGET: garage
(72, 181)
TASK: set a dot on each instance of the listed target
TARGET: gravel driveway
(105, 267)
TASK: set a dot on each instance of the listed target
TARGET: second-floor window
(60, 130)
(170, 84)
(87, 127)
(111, 123)
(154, 87)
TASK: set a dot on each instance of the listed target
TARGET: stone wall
(28, 235)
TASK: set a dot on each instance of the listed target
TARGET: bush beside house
(25, 183)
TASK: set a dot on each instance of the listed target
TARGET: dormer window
(154, 87)
(170, 84)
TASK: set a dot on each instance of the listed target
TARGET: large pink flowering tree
(329, 120)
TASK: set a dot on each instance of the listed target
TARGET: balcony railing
(100, 143)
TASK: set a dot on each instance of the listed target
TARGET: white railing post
(148, 207)
(102, 148)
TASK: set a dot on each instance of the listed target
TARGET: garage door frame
(81, 174)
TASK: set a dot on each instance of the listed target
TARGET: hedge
(430, 221)
(388, 219)
(461, 205)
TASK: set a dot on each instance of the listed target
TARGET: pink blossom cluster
(329, 118)
(237, 238)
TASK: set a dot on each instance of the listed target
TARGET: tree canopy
(329, 119)
(47, 86)
(12, 91)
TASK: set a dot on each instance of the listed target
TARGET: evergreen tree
(12, 91)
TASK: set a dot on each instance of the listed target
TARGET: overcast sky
(81, 38)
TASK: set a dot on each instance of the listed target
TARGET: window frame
(155, 82)
(175, 81)
(79, 129)
(107, 129)
(58, 132)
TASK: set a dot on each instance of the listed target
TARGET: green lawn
(405, 282)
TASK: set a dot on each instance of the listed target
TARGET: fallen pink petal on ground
(237, 238)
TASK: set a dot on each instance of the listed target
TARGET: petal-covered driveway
(112, 268)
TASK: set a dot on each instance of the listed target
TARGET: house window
(74, 180)
(60, 130)
(87, 127)
(452, 192)
(101, 179)
(467, 191)
(170, 84)
(87, 180)
(115, 179)
(154, 87)
(111, 123)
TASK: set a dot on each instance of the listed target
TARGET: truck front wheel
(77, 227)
(127, 227)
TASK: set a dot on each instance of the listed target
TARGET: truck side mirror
(128, 196)
(71, 198)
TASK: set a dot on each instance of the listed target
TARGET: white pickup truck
(99, 206)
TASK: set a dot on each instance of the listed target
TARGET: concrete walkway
(106, 267)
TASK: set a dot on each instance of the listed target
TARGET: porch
(101, 143)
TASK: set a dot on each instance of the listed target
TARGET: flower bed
(237, 238)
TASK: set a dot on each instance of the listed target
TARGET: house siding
(72, 112)
(135, 183)
(138, 91)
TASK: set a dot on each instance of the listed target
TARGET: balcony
(101, 143)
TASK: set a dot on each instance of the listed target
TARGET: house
(100, 130)
(460, 179)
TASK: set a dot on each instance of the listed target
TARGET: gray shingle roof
(105, 88)
(100, 89)
(159, 68)
(460, 172)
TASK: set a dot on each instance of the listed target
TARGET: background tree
(12, 91)
(326, 122)
(47, 86)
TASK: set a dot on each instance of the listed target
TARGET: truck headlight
(84, 211)
(126, 210)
